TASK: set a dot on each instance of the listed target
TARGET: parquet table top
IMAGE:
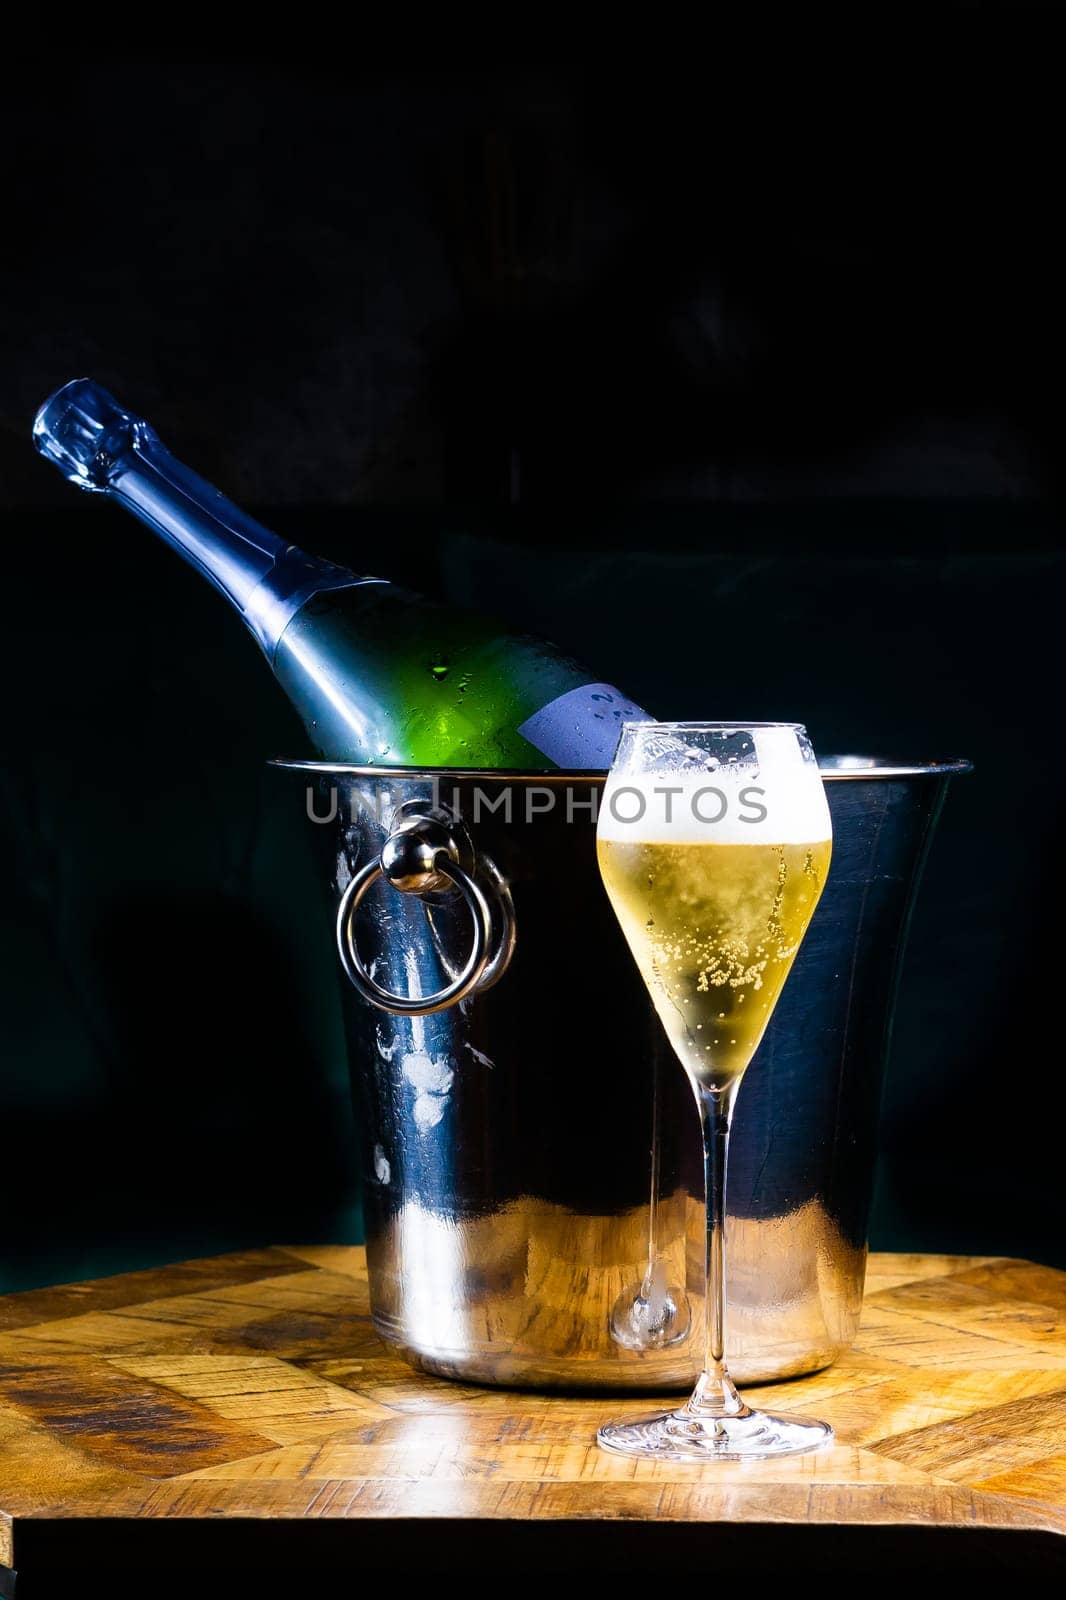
(253, 1386)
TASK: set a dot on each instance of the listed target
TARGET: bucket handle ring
(419, 857)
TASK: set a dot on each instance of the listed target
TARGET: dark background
(737, 372)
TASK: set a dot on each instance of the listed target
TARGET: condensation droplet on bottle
(439, 670)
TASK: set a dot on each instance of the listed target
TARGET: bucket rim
(848, 768)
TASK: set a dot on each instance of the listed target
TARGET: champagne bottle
(380, 676)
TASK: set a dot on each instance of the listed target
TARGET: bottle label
(579, 730)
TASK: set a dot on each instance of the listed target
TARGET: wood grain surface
(254, 1387)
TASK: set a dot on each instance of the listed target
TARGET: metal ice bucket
(504, 1054)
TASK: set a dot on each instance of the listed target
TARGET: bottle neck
(229, 548)
(100, 446)
(263, 577)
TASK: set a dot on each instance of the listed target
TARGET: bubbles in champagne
(714, 930)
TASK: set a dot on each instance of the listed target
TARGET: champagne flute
(714, 842)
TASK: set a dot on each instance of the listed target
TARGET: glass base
(682, 1436)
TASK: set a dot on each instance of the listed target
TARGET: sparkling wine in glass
(714, 842)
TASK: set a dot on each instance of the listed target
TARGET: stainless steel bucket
(507, 1066)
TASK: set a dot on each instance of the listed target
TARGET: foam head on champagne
(756, 786)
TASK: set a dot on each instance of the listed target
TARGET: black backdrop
(739, 377)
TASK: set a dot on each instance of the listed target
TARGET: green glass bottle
(380, 676)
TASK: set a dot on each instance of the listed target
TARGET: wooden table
(242, 1411)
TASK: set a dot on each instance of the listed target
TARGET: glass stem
(714, 1393)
